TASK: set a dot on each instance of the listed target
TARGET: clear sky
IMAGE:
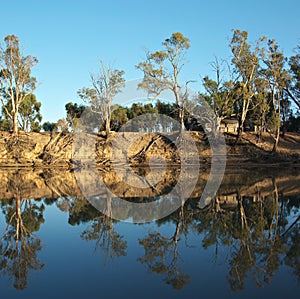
(70, 37)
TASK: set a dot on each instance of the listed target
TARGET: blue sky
(70, 37)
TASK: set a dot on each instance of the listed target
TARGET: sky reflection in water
(238, 246)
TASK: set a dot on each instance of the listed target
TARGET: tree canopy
(258, 86)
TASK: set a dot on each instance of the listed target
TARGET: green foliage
(29, 116)
(161, 71)
(294, 63)
(49, 126)
(252, 90)
(105, 86)
(16, 82)
(161, 68)
(246, 66)
(119, 117)
(219, 95)
(5, 124)
(74, 112)
(293, 123)
(293, 89)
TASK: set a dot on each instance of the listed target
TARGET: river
(244, 242)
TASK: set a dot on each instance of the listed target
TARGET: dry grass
(289, 144)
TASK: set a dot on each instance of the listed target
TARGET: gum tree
(294, 89)
(161, 70)
(246, 65)
(219, 93)
(16, 81)
(105, 86)
(278, 79)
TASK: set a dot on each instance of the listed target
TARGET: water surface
(245, 243)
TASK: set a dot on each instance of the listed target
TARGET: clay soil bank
(42, 150)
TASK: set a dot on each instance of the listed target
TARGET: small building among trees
(229, 125)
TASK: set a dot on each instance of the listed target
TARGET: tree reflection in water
(100, 227)
(292, 257)
(256, 234)
(259, 231)
(256, 230)
(161, 253)
(19, 247)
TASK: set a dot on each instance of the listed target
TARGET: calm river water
(244, 243)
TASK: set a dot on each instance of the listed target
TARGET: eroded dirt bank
(42, 150)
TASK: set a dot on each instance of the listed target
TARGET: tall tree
(278, 79)
(16, 81)
(294, 90)
(246, 64)
(285, 112)
(105, 86)
(219, 94)
(162, 68)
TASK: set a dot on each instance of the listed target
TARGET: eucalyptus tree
(105, 86)
(16, 81)
(219, 93)
(278, 79)
(162, 68)
(246, 65)
(294, 90)
(285, 107)
(259, 114)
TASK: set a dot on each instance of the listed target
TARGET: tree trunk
(216, 126)
(262, 125)
(107, 126)
(181, 116)
(218, 123)
(283, 122)
(15, 123)
(296, 101)
(275, 146)
(246, 103)
(274, 150)
(239, 132)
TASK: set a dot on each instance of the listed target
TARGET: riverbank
(43, 150)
